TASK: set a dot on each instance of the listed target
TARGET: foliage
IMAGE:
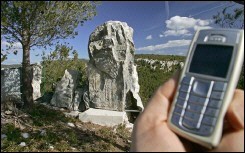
(150, 79)
(55, 64)
(228, 19)
(43, 21)
(40, 24)
(233, 19)
(85, 137)
(160, 57)
(3, 57)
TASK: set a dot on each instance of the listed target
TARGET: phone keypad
(197, 106)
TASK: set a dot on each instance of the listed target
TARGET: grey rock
(51, 147)
(43, 132)
(25, 135)
(11, 82)
(166, 66)
(70, 124)
(112, 75)
(3, 136)
(73, 114)
(22, 144)
(64, 92)
(8, 112)
(36, 81)
(103, 117)
(77, 98)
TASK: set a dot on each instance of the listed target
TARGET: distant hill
(154, 70)
(10, 66)
(161, 57)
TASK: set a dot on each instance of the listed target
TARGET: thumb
(158, 106)
(235, 112)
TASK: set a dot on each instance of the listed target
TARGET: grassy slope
(83, 137)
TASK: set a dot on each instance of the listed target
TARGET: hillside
(154, 70)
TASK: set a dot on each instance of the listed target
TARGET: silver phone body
(206, 85)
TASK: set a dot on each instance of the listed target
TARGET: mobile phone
(206, 85)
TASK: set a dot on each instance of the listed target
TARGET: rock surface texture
(36, 81)
(11, 82)
(65, 89)
(112, 75)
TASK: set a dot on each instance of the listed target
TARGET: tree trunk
(27, 75)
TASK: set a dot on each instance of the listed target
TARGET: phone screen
(211, 60)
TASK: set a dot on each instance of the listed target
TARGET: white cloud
(161, 35)
(178, 23)
(149, 37)
(169, 44)
(181, 26)
(182, 32)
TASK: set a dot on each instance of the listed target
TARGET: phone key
(180, 102)
(178, 109)
(219, 86)
(217, 95)
(185, 88)
(183, 95)
(205, 130)
(175, 119)
(197, 99)
(201, 88)
(214, 103)
(190, 124)
(194, 107)
(192, 115)
(209, 120)
(186, 80)
(211, 112)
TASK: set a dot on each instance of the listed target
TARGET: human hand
(151, 132)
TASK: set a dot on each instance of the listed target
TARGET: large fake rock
(11, 81)
(103, 117)
(112, 75)
(36, 81)
(64, 92)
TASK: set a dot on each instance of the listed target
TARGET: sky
(160, 27)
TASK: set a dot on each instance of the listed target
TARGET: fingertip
(169, 87)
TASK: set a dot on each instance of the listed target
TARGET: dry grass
(58, 136)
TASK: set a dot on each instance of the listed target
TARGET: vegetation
(161, 57)
(150, 79)
(39, 24)
(232, 19)
(55, 64)
(49, 131)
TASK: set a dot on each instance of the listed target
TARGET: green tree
(40, 24)
(55, 64)
(230, 18)
(233, 19)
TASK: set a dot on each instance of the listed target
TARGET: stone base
(103, 117)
